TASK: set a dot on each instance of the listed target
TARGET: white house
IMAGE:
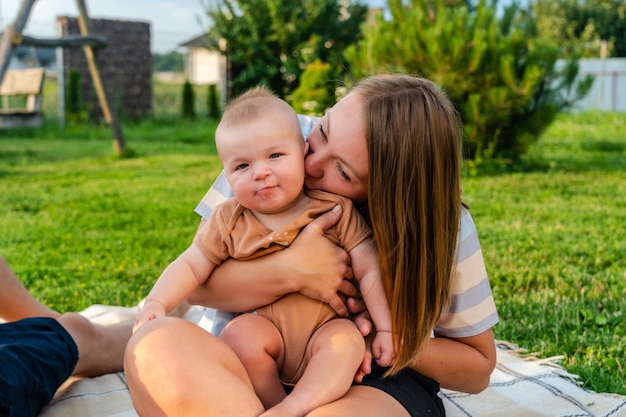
(204, 66)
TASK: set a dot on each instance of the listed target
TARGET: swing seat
(21, 98)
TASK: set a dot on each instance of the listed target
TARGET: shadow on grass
(15, 152)
(585, 156)
(609, 159)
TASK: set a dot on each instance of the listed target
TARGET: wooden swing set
(30, 82)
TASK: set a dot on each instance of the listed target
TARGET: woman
(392, 144)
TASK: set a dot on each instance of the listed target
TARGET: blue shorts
(36, 355)
(416, 393)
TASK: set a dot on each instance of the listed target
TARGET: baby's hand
(151, 310)
(290, 406)
(382, 348)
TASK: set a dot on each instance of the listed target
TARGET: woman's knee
(173, 365)
(169, 346)
(153, 343)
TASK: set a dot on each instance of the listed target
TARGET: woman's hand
(322, 268)
(312, 265)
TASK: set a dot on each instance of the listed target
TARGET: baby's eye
(274, 155)
(241, 166)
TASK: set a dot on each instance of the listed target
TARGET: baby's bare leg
(334, 354)
(259, 346)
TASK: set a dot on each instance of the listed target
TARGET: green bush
(316, 92)
(189, 109)
(212, 102)
(505, 81)
(74, 97)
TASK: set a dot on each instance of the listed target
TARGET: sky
(172, 22)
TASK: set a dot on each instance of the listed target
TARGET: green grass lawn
(81, 227)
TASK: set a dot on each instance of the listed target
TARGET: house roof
(200, 41)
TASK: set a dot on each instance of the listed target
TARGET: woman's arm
(312, 265)
(463, 364)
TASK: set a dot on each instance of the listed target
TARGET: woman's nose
(313, 165)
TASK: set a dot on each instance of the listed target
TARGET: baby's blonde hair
(250, 105)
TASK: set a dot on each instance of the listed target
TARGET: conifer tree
(213, 109)
(74, 97)
(188, 101)
(505, 81)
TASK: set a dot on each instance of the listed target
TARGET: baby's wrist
(148, 301)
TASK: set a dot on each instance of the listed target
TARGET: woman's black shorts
(36, 356)
(417, 393)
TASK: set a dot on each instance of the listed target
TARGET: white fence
(608, 92)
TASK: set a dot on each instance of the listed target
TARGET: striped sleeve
(472, 309)
(219, 192)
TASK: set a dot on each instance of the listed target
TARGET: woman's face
(337, 158)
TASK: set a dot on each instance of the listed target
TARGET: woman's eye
(322, 133)
(342, 173)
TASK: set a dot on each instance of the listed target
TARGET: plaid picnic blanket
(519, 387)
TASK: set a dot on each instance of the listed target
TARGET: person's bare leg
(100, 347)
(175, 368)
(362, 401)
(15, 301)
(259, 346)
(335, 352)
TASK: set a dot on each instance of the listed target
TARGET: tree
(169, 61)
(213, 108)
(270, 42)
(583, 24)
(189, 101)
(504, 80)
(74, 105)
(316, 92)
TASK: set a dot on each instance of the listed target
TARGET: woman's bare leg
(175, 368)
(362, 401)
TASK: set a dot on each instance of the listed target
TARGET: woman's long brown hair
(414, 144)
